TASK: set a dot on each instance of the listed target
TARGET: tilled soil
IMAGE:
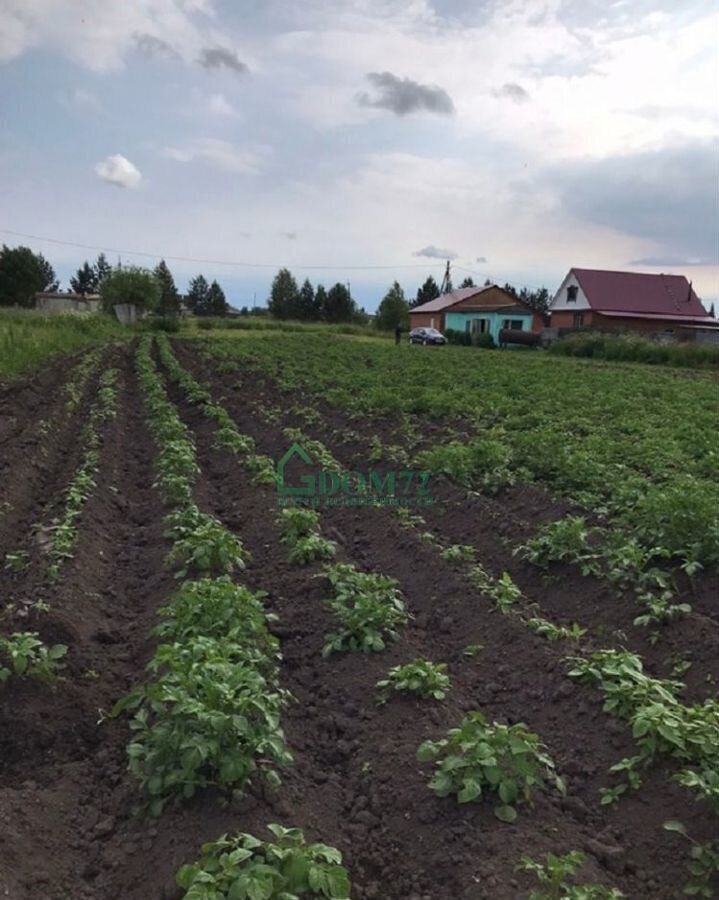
(67, 821)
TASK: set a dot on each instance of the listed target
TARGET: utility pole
(447, 280)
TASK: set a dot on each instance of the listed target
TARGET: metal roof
(639, 292)
(444, 301)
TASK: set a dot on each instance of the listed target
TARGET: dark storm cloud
(512, 91)
(221, 58)
(481, 259)
(403, 96)
(150, 45)
(432, 252)
(666, 196)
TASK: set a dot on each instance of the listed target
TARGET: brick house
(629, 301)
(478, 310)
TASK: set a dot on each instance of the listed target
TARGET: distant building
(477, 310)
(51, 301)
(630, 301)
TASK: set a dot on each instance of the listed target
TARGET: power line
(209, 262)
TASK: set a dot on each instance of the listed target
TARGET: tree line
(23, 273)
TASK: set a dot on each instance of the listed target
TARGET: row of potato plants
(210, 710)
(633, 446)
(476, 759)
(24, 654)
(227, 435)
(662, 725)
(63, 533)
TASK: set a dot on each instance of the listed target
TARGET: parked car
(426, 336)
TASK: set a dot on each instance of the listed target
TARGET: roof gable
(639, 292)
(461, 296)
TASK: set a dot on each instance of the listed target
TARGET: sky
(363, 141)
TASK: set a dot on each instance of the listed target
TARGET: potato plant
(242, 867)
(556, 876)
(369, 607)
(25, 655)
(479, 758)
(421, 678)
(703, 865)
(661, 724)
(209, 716)
(202, 545)
(301, 532)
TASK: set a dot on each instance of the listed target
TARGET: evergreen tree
(102, 269)
(340, 307)
(306, 301)
(22, 274)
(283, 295)
(393, 310)
(428, 291)
(711, 311)
(197, 295)
(320, 303)
(216, 302)
(468, 282)
(169, 296)
(85, 280)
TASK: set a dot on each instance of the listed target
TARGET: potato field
(303, 615)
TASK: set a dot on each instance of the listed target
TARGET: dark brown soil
(67, 827)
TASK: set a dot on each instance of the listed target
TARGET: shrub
(634, 348)
(245, 868)
(478, 758)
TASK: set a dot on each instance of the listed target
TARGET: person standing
(397, 334)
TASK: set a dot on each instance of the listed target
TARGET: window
(480, 326)
(579, 320)
(572, 293)
(513, 325)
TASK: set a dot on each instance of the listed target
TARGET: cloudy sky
(364, 140)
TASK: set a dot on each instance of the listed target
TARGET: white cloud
(432, 252)
(118, 169)
(218, 153)
(99, 35)
(219, 105)
(84, 99)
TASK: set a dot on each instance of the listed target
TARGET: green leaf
(505, 813)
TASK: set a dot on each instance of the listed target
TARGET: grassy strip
(632, 348)
(28, 339)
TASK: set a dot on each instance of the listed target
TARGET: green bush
(131, 284)
(634, 348)
(484, 340)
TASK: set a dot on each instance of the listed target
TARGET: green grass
(29, 339)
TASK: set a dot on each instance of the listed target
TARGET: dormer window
(572, 293)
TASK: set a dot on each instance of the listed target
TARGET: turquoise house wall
(458, 320)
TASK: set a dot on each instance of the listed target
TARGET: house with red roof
(477, 310)
(629, 301)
